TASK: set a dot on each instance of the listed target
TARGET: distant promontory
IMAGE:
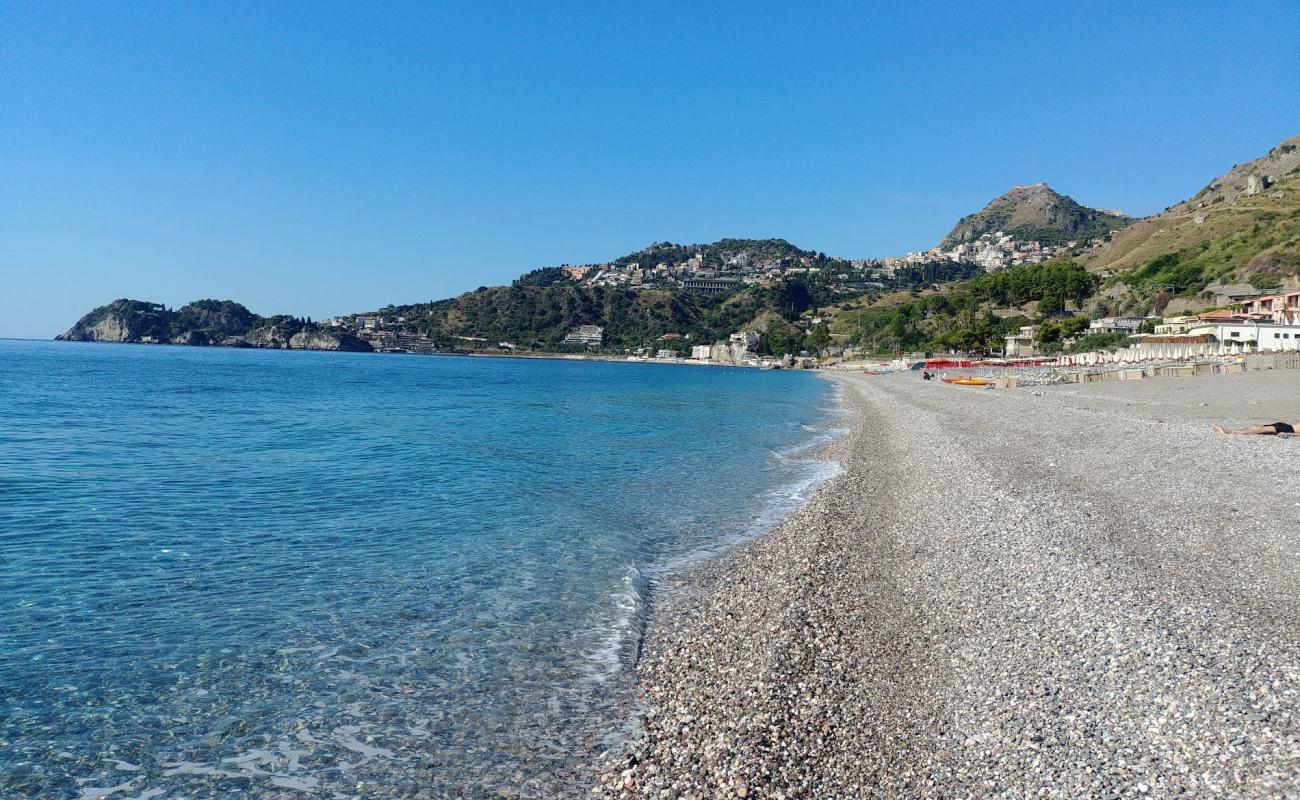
(221, 323)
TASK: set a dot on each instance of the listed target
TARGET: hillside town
(994, 251)
(742, 269)
(990, 252)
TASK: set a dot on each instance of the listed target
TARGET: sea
(251, 573)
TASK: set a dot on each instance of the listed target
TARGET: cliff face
(1035, 213)
(203, 323)
(122, 321)
(108, 328)
(328, 340)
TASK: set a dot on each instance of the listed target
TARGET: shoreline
(1001, 594)
(532, 356)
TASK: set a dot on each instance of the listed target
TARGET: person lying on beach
(1273, 429)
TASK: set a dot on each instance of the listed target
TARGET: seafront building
(1260, 335)
(1125, 325)
(1270, 322)
(1021, 345)
(586, 335)
(1283, 309)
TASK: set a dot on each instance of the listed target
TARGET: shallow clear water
(229, 572)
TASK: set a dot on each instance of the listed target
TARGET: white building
(1127, 325)
(1261, 335)
(1174, 326)
(702, 352)
(1021, 345)
(586, 335)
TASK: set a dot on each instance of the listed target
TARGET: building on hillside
(586, 335)
(575, 273)
(666, 354)
(1174, 326)
(702, 352)
(1282, 308)
(709, 285)
(991, 260)
(1021, 345)
(1126, 325)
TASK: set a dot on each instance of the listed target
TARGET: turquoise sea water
(236, 573)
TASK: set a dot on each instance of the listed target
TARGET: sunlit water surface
(238, 572)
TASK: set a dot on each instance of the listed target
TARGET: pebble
(1001, 595)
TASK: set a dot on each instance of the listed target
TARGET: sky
(321, 158)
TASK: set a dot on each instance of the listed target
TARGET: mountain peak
(1034, 212)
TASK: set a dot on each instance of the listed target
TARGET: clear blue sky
(321, 158)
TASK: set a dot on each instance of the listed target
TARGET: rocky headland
(219, 323)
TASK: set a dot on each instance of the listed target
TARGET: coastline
(1001, 594)
(534, 356)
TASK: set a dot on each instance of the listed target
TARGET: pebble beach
(1074, 592)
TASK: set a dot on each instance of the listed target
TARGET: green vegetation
(719, 253)
(539, 317)
(200, 322)
(1100, 227)
(1052, 284)
(542, 306)
(937, 322)
(961, 318)
(1053, 332)
(1264, 255)
(542, 277)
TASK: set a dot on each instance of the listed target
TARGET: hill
(646, 295)
(1243, 226)
(1035, 213)
(538, 317)
(205, 322)
(721, 253)
(647, 299)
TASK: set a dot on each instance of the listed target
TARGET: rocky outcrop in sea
(206, 323)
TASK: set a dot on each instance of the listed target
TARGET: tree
(1053, 303)
(819, 337)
